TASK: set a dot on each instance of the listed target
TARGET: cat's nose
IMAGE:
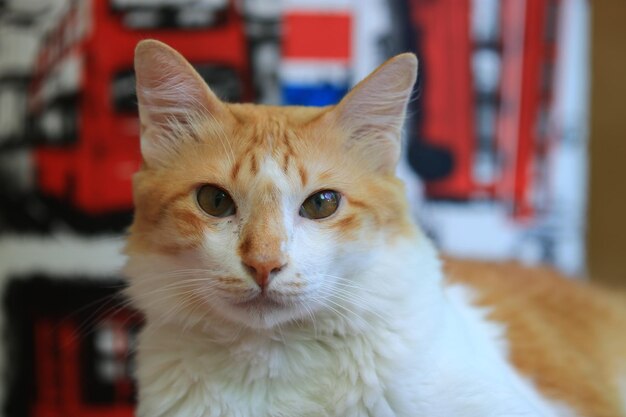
(264, 271)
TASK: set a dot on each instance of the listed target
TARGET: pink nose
(263, 271)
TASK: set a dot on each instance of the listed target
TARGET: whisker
(352, 301)
(359, 317)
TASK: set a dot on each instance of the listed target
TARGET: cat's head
(256, 214)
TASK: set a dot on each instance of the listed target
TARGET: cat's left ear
(373, 112)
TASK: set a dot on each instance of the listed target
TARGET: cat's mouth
(260, 302)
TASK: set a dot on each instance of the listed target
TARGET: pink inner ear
(373, 113)
(169, 89)
(173, 100)
(381, 98)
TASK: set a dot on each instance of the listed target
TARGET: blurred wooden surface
(607, 212)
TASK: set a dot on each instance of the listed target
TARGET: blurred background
(515, 148)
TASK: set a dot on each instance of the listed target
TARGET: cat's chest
(264, 377)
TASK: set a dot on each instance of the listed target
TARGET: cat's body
(280, 273)
(565, 336)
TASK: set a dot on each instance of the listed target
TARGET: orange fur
(569, 338)
(163, 193)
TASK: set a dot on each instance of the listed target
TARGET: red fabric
(317, 35)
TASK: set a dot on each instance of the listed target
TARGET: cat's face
(261, 215)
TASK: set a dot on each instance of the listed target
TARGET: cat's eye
(320, 205)
(215, 201)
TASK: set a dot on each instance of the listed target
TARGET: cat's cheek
(314, 264)
(312, 248)
(219, 249)
(348, 227)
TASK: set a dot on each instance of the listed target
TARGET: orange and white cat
(281, 275)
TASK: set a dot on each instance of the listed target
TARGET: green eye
(320, 204)
(215, 201)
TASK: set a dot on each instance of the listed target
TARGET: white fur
(363, 327)
(415, 350)
(395, 342)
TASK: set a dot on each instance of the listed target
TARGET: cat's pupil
(322, 198)
(220, 196)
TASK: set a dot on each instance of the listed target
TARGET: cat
(281, 275)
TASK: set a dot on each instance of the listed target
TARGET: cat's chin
(262, 312)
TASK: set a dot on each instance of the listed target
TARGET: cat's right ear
(171, 96)
(373, 112)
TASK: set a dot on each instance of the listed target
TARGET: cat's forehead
(293, 116)
(273, 142)
(268, 158)
(294, 149)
